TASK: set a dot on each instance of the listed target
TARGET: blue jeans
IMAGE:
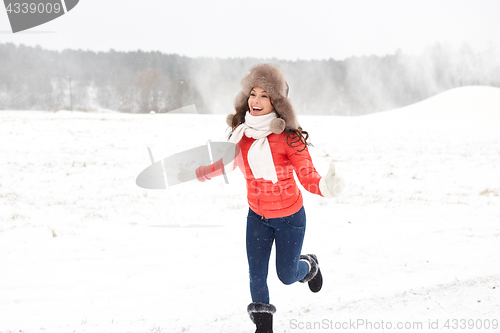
(288, 232)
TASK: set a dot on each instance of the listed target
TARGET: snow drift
(415, 237)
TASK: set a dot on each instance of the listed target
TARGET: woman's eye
(264, 96)
(252, 94)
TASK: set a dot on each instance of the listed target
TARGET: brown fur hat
(271, 78)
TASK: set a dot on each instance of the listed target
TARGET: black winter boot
(313, 277)
(262, 316)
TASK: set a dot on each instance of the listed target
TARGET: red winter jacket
(265, 198)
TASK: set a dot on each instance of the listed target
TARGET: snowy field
(414, 239)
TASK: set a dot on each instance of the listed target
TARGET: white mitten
(331, 185)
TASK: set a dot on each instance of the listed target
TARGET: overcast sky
(287, 29)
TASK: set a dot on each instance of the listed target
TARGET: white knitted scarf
(260, 157)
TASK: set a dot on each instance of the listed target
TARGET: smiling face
(259, 102)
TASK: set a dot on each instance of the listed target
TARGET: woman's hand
(332, 184)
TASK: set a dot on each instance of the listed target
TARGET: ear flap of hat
(277, 126)
(241, 101)
(229, 119)
(285, 109)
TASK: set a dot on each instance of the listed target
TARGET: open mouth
(257, 109)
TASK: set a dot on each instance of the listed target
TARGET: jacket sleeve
(218, 168)
(208, 172)
(305, 170)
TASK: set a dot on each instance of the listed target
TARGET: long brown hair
(296, 138)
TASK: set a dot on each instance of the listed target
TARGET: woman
(271, 146)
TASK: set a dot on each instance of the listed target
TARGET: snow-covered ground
(414, 239)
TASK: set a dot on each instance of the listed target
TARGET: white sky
(290, 29)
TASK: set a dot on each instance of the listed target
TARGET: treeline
(35, 78)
